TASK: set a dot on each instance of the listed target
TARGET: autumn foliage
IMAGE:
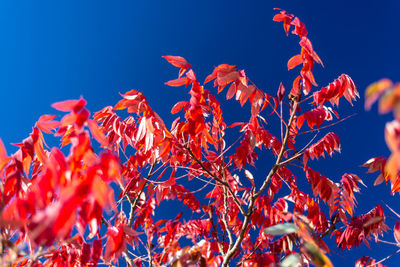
(95, 198)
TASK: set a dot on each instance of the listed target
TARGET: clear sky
(56, 50)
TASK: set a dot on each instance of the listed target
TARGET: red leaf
(179, 62)
(97, 133)
(46, 123)
(323, 187)
(115, 243)
(231, 91)
(306, 44)
(316, 116)
(85, 254)
(96, 250)
(299, 27)
(286, 18)
(224, 72)
(329, 143)
(396, 232)
(362, 227)
(244, 92)
(295, 92)
(281, 92)
(342, 86)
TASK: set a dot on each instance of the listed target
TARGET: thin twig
(387, 242)
(392, 210)
(305, 99)
(276, 112)
(386, 258)
(309, 143)
(329, 125)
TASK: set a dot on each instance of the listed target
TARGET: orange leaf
(40, 152)
(178, 106)
(3, 155)
(177, 82)
(178, 61)
(294, 61)
(374, 90)
(70, 105)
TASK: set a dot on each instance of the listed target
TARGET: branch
(265, 184)
(128, 259)
(220, 245)
(149, 252)
(35, 257)
(280, 155)
(235, 199)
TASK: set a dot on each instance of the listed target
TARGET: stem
(224, 220)
(220, 245)
(134, 203)
(280, 104)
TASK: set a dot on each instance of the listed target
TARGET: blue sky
(56, 50)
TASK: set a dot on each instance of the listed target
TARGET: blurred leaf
(293, 260)
(317, 257)
(281, 229)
